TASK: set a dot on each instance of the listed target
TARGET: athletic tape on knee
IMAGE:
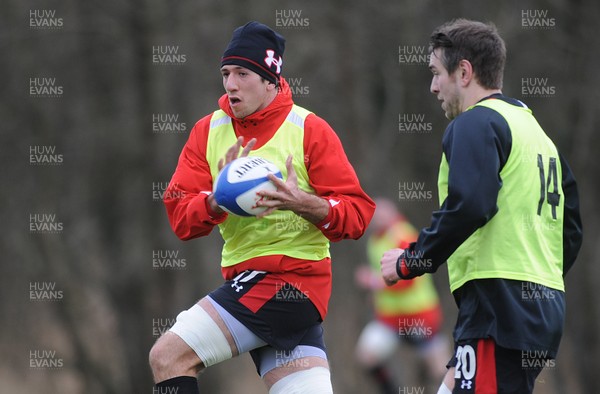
(203, 335)
(315, 380)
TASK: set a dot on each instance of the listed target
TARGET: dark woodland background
(93, 123)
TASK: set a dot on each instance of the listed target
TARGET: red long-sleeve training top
(330, 174)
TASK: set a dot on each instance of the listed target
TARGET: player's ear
(465, 72)
(271, 85)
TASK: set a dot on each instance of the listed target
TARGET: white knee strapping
(203, 335)
(444, 389)
(316, 380)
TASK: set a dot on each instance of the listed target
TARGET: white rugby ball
(236, 185)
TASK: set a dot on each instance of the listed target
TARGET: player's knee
(316, 380)
(171, 357)
(158, 357)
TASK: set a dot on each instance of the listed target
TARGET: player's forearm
(348, 216)
(191, 216)
(312, 208)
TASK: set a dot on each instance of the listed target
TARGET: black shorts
(481, 366)
(273, 310)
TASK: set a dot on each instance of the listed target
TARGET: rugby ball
(237, 183)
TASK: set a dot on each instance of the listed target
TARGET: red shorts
(277, 312)
(483, 367)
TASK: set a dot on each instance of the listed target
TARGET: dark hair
(276, 83)
(477, 42)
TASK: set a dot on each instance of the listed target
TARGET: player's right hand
(388, 266)
(234, 152)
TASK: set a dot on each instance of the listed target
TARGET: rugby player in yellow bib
(508, 224)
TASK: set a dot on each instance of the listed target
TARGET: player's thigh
(302, 369)
(297, 365)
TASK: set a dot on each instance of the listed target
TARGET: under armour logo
(466, 384)
(270, 60)
(243, 277)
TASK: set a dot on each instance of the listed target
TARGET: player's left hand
(289, 197)
(388, 266)
(287, 194)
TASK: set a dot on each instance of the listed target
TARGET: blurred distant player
(409, 311)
